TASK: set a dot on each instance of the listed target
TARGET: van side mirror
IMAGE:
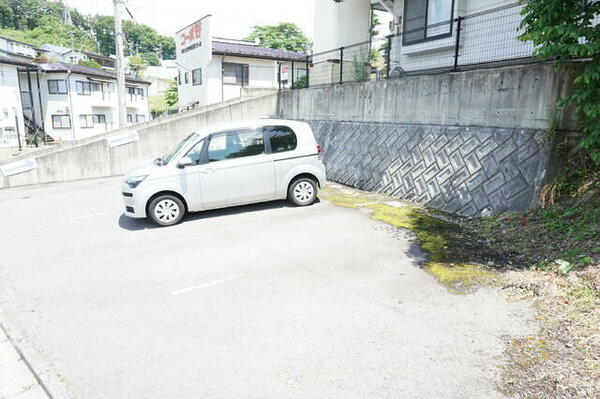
(185, 161)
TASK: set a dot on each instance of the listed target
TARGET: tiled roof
(245, 50)
(84, 70)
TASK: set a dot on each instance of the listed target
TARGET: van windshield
(164, 160)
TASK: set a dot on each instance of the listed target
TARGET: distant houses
(61, 100)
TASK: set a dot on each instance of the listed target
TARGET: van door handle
(207, 170)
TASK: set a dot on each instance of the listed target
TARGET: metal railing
(481, 40)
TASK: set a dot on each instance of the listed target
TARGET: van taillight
(319, 149)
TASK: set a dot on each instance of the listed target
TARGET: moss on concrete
(446, 261)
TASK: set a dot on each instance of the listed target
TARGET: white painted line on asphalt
(209, 284)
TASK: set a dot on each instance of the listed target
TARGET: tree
(27, 14)
(34, 21)
(150, 59)
(285, 36)
(90, 63)
(137, 65)
(52, 31)
(564, 29)
(102, 28)
(6, 15)
(172, 94)
(375, 22)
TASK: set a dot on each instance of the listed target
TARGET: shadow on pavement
(132, 224)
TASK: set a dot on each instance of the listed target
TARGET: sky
(230, 18)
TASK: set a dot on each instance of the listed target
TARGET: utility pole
(119, 64)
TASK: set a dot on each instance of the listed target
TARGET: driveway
(262, 301)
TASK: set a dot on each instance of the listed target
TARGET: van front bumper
(134, 206)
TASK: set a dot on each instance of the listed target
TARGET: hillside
(42, 21)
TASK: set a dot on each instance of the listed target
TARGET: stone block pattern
(463, 170)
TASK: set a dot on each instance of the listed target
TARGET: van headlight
(134, 181)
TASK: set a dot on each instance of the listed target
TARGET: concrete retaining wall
(469, 142)
(94, 157)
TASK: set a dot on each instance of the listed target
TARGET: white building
(12, 127)
(18, 50)
(425, 31)
(213, 70)
(72, 56)
(71, 102)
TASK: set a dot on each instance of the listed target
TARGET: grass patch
(565, 231)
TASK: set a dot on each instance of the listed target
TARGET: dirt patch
(563, 360)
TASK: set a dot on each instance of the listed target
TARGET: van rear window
(282, 138)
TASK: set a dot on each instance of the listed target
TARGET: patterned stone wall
(464, 170)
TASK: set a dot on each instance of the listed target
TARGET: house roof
(64, 50)
(96, 55)
(54, 48)
(84, 70)
(252, 51)
(13, 61)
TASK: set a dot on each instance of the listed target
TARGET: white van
(227, 165)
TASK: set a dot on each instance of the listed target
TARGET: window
(140, 118)
(427, 19)
(129, 118)
(195, 153)
(197, 77)
(86, 121)
(139, 91)
(179, 78)
(235, 73)
(282, 138)
(83, 88)
(57, 86)
(100, 119)
(235, 144)
(186, 77)
(61, 121)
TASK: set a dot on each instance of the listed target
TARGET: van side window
(235, 144)
(282, 138)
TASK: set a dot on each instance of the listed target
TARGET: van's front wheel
(166, 210)
(302, 192)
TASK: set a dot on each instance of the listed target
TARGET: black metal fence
(481, 40)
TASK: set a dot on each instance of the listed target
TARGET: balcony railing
(481, 40)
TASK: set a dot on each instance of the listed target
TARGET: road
(262, 301)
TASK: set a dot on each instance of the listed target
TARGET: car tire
(302, 192)
(166, 210)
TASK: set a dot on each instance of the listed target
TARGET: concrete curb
(17, 379)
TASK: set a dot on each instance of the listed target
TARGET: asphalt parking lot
(261, 301)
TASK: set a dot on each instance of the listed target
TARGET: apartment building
(425, 33)
(12, 127)
(71, 102)
(213, 69)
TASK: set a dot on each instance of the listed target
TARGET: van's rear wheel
(166, 210)
(302, 192)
